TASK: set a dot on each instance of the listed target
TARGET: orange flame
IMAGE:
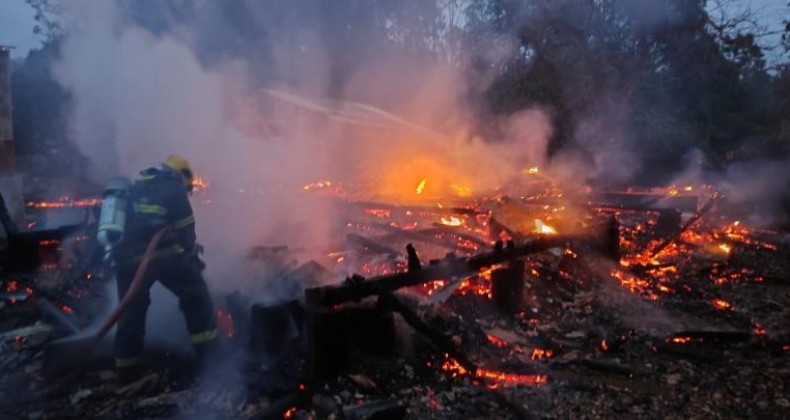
(681, 340)
(544, 229)
(420, 187)
(199, 183)
(452, 221)
(726, 248)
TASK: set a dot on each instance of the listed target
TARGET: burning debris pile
(550, 303)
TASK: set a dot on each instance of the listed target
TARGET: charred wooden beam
(720, 336)
(418, 209)
(369, 244)
(376, 410)
(327, 342)
(683, 202)
(698, 215)
(441, 340)
(690, 352)
(357, 288)
(507, 286)
(440, 228)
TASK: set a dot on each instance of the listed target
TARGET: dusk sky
(16, 21)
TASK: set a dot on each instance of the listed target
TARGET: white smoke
(139, 96)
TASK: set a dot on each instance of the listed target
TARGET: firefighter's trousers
(185, 280)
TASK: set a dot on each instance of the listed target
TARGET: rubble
(521, 321)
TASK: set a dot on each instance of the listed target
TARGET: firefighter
(159, 199)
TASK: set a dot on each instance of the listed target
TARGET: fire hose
(134, 287)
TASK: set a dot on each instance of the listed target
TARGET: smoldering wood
(712, 335)
(418, 236)
(24, 247)
(698, 215)
(370, 244)
(455, 231)
(682, 202)
(448, 267)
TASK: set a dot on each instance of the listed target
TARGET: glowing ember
(66, 309)
(726, 248)
(452, 221)
(453, 367)
(225, 323)
(722, 305)
(380, 213)
(289, 414)
(544, 229)
(540, 354)
(604, 346)
(455, 370)
(497, 341)
(64, 203)
(680, 340)
(511, 378)
(420, 187)
(319, 185)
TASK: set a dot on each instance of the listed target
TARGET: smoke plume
(142, 91)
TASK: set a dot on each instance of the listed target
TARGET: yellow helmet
(181, 165)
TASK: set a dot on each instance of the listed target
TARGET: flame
(420, 187)
(452, 221)
(681, 340)
(722, 305)
(726, 248)
(544, 229)
(532, 171)
(199, 184)
(461, 190)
